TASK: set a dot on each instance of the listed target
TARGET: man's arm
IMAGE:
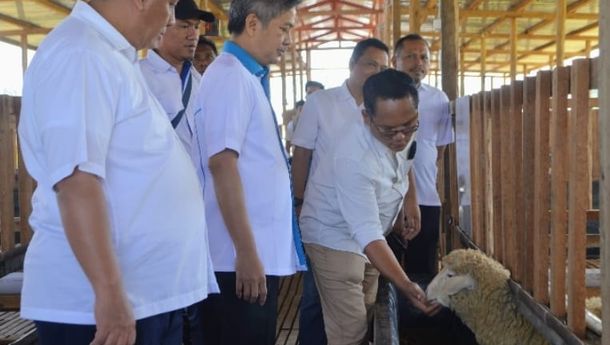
(381, 256)
(300, 170)
(411, 210)
(250, 274)
(85, 219)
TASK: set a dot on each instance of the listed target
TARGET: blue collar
(246, 59)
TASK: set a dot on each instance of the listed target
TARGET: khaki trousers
(347, 285)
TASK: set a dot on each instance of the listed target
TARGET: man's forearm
(381, 256)
(85, 219)
(230, 197)
(300, 170)
(411, 196)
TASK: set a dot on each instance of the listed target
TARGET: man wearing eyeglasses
(326, 113)
(412, 56)
(345, 217)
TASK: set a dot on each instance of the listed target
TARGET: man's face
(394, 123)
(204, 55)
(180, 40)
(372, 61)
(414, 59)
(157, 15)
(273, 41)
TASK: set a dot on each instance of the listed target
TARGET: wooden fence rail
(533, 155)
(16, 185)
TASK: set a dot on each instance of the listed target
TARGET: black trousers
(227, 320)
(422, 252)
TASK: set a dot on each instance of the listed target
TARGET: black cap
(187, 9)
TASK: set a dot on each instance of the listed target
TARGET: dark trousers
(228, 320)
(162, 329)
(311, 322)
(193, 332)
(422, 253)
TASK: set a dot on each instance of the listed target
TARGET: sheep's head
(464, 270)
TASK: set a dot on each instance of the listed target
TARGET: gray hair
(265, 10)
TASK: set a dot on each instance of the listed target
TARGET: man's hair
(388, 84)
(363, 45)
(207, 42)
(410, 38)
(312, 83)
(299, 104)
(265, 10)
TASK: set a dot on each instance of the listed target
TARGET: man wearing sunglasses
(344, 219)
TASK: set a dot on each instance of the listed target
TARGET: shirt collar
(246, 59)
(422, 87)
(86, 13)
(158, 63)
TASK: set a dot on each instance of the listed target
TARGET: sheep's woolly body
(489, 309)
(594, 305)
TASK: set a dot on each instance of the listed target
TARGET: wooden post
(477, 169)
(283, 77)
(301, 72)
(24, 52)
(483, 61)
(489, 179)
(293, 57)
(529, 135)
(7, 176)
(604, 129)
(26, 187)
(560, 22)
(462, 74)
(516, 106)
(579, 194)
(414, 17)
(395, 20)
(308, 55)
(513, 48)
(496, 173)
(542, 188)
(449, 29)
(559, 190)
(507, 156)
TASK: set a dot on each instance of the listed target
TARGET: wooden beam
(483, 61)
(414, 17)
(24, 52)
(496, 176)
(55, 6)
(337, 12)
(524, 15)
(516, 126)
(18, 22)
(604, 129)
(513, 49)
(283, 77)
(396, 32)
(507, 166)
(560, 23)
(40, 31)
(521, 36)
(559, 191)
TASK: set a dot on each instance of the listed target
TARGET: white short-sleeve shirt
(355, 195)
(325, 115)
(237, 115)
(165, 83)
(435, 129)
(86, 105)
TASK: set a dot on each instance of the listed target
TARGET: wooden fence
(533, 159)
(16, 185)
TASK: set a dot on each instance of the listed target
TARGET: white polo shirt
(164, 81)
(86, 105)
(435, 129)
(325, 116)
(237, 115)
(354, 196)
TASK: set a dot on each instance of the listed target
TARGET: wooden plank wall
(532, 155)
(13, 176)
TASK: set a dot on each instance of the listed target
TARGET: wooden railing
(533, 158)
(16, 185)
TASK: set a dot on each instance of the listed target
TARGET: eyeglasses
(390, 132)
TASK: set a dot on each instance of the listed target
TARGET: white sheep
(476, 288)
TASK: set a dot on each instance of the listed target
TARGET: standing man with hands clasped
(412, 56)
(248, 195)
(120, 244)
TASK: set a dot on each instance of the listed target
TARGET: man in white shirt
(171, 76)
(169, 70)
(326, 113)
(248, 198)
(412, 56)
(120, 244)
(351, 202)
